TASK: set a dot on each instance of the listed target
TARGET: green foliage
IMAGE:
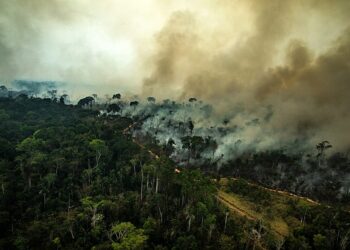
(320, 242)
(125, 236)
(150, 225)
(57, 242)
(71, 179)
(68, 176)
(98, 145)
(253, 193)
(185, 242)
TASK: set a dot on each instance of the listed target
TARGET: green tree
(226, 242)
(188, 242)
(100, 148)
(57, 242)
(92, 207)
(320, 242)
(194, 145)
(31, 156)
(125, 236)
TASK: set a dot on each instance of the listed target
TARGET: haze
(290, 55)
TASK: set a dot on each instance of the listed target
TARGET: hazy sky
(117, 43)
(291, 54)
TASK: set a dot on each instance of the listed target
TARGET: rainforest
(174, 125)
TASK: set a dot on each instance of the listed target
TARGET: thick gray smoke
(304, 78)
(234, 133)
(238, 143)
(288, 57)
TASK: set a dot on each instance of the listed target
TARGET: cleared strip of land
(243, 208)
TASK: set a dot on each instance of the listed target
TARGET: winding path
(220, 195)
(234, 208)
(154, 155)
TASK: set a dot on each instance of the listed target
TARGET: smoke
(175, 40)
(310, 93)
(291, 56)
(288, 57)
(34, 88)
(76, 42)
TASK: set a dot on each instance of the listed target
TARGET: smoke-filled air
(183, 124)
(290, 58)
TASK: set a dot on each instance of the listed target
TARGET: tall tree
(125, 236)
(30, 157)
(321, 148)
(100, 148)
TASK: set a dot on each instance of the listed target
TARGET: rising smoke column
(278, 60)
(289, 55)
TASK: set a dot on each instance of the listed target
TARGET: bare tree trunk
(57, 166)
(68, 203)
(226, 216)
(189, 157)
(161, 214)
(98, 156)
(30, 182)
(211, 227)
(190, 217)
(189, 223)
(157, 184)
(93, 224)
(212, 157)
(71, 231)
(141, 183)
(147, 182)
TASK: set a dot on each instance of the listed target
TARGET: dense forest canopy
(168, 125)
(238, 144)
(192, 134)
(83, 177)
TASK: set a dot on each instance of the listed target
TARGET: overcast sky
(291, 54)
